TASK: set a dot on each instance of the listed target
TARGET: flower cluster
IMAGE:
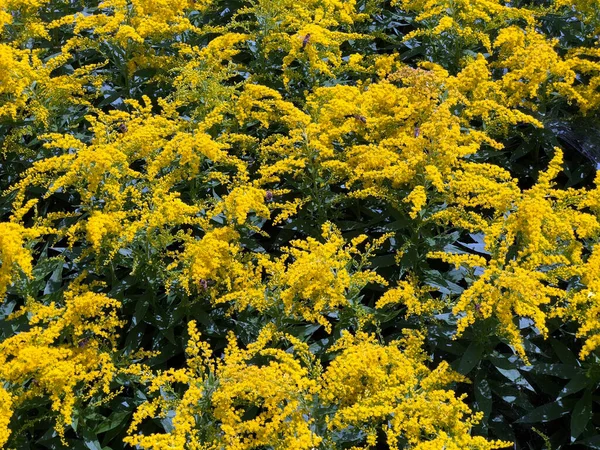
(267, 396)
(66, 356)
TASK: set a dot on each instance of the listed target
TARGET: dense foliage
(316, 224)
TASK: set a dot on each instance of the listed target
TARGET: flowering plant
(269, 224)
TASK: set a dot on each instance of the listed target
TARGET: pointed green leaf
(470, 358)
(483, 397)
(545, 413)
(578, 382)
(563, 352)
(581, 415)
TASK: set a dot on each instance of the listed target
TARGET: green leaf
(470, 358)
(592, 442)
(582, 413)
(516, 377)
(546, 413)
(503, 361)
(563, 352)
(435, 279)
(113, 421)
(578, 382)
(91, 440)
(556, 370)
(55, 281)
(483, 397)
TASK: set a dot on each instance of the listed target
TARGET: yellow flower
(418, 198)
(408, 294)
(210, 258)
(372, 384)
(61, 357)
(251, 405)
(5, 415)
(533, 241)
(243, 200)
(13, 254)
(472, 20)
(320, 278)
